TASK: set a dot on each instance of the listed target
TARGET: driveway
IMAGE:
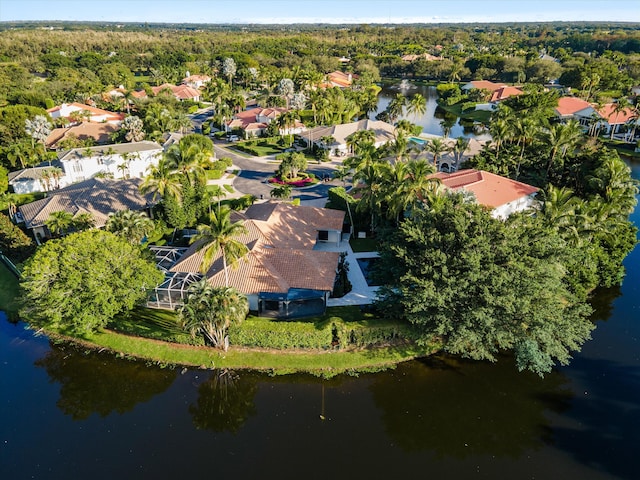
(255, 171)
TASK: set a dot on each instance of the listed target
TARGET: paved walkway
(361, 293)
(253, 172)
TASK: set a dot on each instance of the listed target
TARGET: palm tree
(459, 148)
(216, 191)
(229, 69)
(396, 107)
(371, 189)
(211, 311)
(20, 152)
(281, 191)
(38, 129)
(60, 222)
(162, 180)
(83, 221)
(560, 138)
(133, 226)
(286, 88)
(436, 147)
(621, 106)
(219, 238)
(417, 105)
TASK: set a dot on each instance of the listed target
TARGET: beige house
(282, 274)
(97, 196)
(384, 132)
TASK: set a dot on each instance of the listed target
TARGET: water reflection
(457, 409)
(435, 120)
(97, 383)
(225, 401)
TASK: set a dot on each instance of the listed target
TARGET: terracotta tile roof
(247, 119)
(99, 132)
(490, 189)
(181, 92)
(571, 105)
(275, 263)
(97, 112)
(608, 113)
(504, 92)
(486, 85)
(97, 196)
(340, 79)
(384, 132)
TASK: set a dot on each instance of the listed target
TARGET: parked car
(233, 138)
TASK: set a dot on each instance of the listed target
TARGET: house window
(77, 167)
(323, 235)
(272, 305)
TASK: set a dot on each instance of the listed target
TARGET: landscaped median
(345, 340)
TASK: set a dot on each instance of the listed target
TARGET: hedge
(265, 333)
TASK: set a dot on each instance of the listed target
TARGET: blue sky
(321, 11)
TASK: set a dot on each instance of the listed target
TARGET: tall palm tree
(621, 106)
(211, 311)
(133, 226)
(559, 138)
(417, 105)
(371, 189)
(459, 148)
(162, 180)
(219, 238)
(436, 147)
(60, 222)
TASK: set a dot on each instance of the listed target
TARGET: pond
(434, 121)
(67, 413)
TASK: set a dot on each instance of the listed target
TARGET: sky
(321, 11)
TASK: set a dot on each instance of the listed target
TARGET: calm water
(67, 414)
(434, 121)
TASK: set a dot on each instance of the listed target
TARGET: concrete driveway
(254, 172)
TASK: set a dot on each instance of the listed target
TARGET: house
(482, 85)
(195, 81)
(180, 92)
(72, 111)
(96, 196)
(384, 132)
(282, 275)
(120, 160)
(574, 108)
(612, 119)
(426, 56)
(502, 195)
(339, 79)
(255, 121)
(29, 180)
(98, 133)
(504, 92)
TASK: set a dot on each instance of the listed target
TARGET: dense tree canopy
(82, 281)
(482, 286)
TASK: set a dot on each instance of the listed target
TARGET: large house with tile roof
(282, 274)
(384, 132)
(195, 81)
(98, 133)
(97, 196)
(603, 118)
(118, 161)
(255, 121)
(502, 195)
(90, 114)
(180, 92)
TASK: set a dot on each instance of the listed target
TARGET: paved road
(254, 173)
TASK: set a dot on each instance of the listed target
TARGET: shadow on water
(455, 408)
(225, 401)
(91, 382)
(604, 417)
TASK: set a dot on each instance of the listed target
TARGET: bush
(266, 333)
(13, 241)
(369, 334)
(243, 202)
(214, 174)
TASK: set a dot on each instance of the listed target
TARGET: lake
(68, 414)
(434, 121)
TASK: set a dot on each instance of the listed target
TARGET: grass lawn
(162, 324)
(228, 187)
(363, 245)
(264, 150)
(8, 290)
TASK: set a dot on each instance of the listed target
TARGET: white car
(233, 138)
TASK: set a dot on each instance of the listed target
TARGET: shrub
(373, 333)
(13, 241)
(265, 333)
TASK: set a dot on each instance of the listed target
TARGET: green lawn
(8, 290)
(363, 245)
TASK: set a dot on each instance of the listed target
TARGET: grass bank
(343, 340)
(8, 290)
(322, 363)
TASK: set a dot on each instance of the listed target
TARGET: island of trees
(454, 278)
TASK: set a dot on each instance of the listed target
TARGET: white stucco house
(384, 132)
(121, 160)
(502, 195)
